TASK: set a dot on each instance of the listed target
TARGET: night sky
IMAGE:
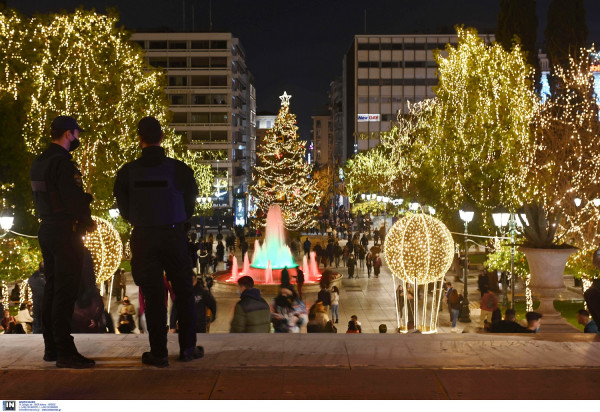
(298, 46)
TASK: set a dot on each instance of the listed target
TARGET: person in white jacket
(24, 317)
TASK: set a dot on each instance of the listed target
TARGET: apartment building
(381, 75)
(213, 100)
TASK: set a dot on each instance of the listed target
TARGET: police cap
(61, 124)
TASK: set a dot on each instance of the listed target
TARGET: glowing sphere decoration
(419, 249)
(106, 248)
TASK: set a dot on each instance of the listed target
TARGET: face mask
(74, 145)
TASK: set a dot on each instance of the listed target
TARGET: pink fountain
(273, 256)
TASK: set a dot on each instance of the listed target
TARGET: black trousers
(154, 250)
(62, 250)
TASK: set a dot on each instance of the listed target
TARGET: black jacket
(153, 156)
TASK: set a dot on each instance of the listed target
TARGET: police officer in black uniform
(64, 209)
(157, 195)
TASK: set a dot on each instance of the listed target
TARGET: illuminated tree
(282, 176)
(83, 65)
(566, 165)
(478, 147)
(19, 258)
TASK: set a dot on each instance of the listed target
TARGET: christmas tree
(282, 176)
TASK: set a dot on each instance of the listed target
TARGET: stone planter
(547, 268)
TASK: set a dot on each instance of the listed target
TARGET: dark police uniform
(157, 195)
(64, 209)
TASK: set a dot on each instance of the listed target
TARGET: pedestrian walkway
(370, 299)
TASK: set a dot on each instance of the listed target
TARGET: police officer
(64, 209)
(157, 195)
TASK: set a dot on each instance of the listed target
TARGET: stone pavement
(315, 366)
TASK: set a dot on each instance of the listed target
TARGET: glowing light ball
(419, 249)
(106, 248)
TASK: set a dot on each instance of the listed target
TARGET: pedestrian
(375, 237)
(353, 326)
(24, 317)
(376, 265)
(252, 314)
(509, 324)
(37, 284)
(449, 289)
(64, 210)
(337, 253)
(126, 322)
(454, 307)
(299, 281)
(583, 318)
(361, 256)
(324, 295)
(306, 246)
(220, 254)
(351, 264)
(288, 313)
(345, 254)
(329, 250)
(369, 263)
(203, 260)
(116, 285)
(335, 304)
(364, 241)
(122, 289)
(592, 300)
(109, 326)
(243, 247)
(157, 195)
(488, 304)
(206, 306)
(534, 321)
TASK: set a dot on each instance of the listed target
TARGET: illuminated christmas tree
(282, 175)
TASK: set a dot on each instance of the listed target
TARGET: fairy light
(83, 64)
(106, 248)
(419, 250)
(282, 176)
(4, 295)
(19, 257)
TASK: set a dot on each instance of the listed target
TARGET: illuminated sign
(369, 117)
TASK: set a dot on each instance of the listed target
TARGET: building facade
(213, 102)
(336, 120)
(382, 74)
(322, 138)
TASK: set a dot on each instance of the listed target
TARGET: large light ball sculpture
(106, 248)
(419, 250)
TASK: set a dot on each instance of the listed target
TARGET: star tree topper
(285, 99)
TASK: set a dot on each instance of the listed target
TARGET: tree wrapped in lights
(82, 64)
(282, 176)
(566, 167)
(479, 144)
(19, 258)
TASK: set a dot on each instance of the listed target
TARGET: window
(177, 81)
(200, 62)
(200, 117)
(218, 81)
(159, 62)
(368, 64)
(201, 136)
(176, 99)
(414, 46)
(200, 44)
(219, 99)
(218, 62)
(177, 62)
(141, 43)
(415, 64)
(218, 135)
(368, 46)
(218, 117)
(200, 99)
(157, 45)
(218, 44)
(387, 117)
(200, 80)
(176, 44)
(179, 117)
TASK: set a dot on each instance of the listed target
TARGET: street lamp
(431, 210)
(114, 213)
(414, 205)
(6, 221)
(501, 217)
(466, 214)
(577, 201)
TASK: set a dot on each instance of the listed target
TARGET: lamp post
(501, 217)
(6, 222)
(466, 215)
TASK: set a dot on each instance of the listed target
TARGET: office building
(213, 100)
(381, 75)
